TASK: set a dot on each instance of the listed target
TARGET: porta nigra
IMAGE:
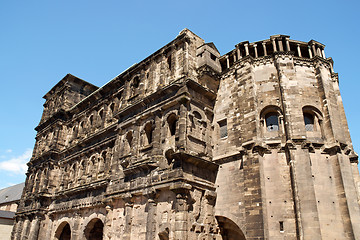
(191, 145)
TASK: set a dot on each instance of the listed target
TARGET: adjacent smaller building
(9, 201)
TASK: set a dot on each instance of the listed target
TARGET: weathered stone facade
(189, 144)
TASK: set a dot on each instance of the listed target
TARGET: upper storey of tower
(276, 44)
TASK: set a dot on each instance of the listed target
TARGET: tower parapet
(276, 44)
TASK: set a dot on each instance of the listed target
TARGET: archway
(94, 230)
(63, 232)
(229, 230)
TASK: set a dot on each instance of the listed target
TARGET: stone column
(76, 232)
(227, 61)
(255, 49)
(246, 49)
(15, 229)
(182, 124)
(128, 221)
(181, 208)
(108, 223)
(313, 49)
(34, 229)
(50, 226)
(323, 53)
(238, 52)
(310, 53)
(157, 133)
(186, 57)
(299, 50)
(150, 221)
(142, 87)
(19, 229)
(264, 48)
(24, 229)
(287, 44)
(274, 44)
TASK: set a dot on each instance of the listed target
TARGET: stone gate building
(189, 144)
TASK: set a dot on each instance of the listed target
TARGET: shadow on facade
(229, 230)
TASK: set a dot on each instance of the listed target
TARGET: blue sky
(42, 41)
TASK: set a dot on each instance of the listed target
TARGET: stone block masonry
(189, 144)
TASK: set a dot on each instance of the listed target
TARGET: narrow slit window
(149, 132)
(169, 62)
(281, 223)
(223, 128)
(129, 138)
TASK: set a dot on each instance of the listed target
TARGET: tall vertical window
(172, 122)
(223, 128)
(309, 122)
(148, 132)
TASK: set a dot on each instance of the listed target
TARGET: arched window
(136, 82)
(172, 122)
(63, 232)
(129, 138)
(66, 233)
(197, 115)
(91, 119)
(81, 170)
(148, 132)
(81, 127)
(309, 122)
(313, 122)
(272, 122)
(101, 114)
(112, 108)
(94, 230)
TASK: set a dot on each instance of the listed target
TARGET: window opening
(281, 226)
(136, 82)
(66, 233)
(272, 122)
(213, 57)
(169, 62)
(101, 113)
(309, 122)
(112, 107)
(129, 138)
(223, 128)
(172, 121)
(197, 115)
(149, 132)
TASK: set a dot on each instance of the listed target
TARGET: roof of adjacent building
(11, 194)
(7, 214)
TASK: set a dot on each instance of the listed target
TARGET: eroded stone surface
(189, 144)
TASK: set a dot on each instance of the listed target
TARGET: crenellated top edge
(275, 44)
